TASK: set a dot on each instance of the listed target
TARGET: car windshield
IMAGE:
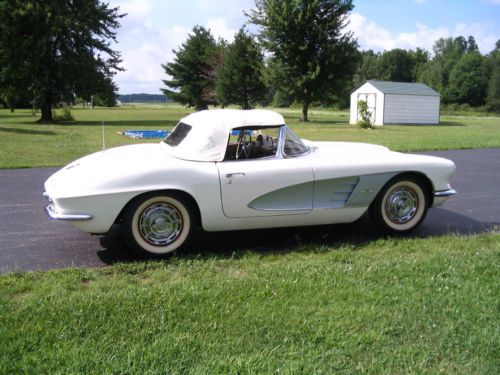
(178, 134)
(293, 144)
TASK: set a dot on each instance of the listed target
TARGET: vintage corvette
(229, 170)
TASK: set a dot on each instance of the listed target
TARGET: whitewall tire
(158, 224)
(401, 205)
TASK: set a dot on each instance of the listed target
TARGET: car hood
(366, 153)
(353, 148)
(351, 158)
(107, 170)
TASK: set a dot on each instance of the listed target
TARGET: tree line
(457, 70)
(302, 54)
(57, 51)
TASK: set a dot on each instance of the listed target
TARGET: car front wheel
(157, 224)
(401, 205)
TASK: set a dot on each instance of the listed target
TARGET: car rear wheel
(158, 224)
(401, 205)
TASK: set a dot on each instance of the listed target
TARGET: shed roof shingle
(403, 88)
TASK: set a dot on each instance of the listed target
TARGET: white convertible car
(229, 170)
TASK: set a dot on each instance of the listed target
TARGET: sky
(153, 28)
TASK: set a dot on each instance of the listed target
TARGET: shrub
(454, 109)
(493, 106)
(366, 120)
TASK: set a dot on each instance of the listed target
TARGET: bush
(63, 114)
(455, 109)
(493, 106)
(366, 120)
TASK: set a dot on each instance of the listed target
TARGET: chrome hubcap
(401, 205)
(160, 224)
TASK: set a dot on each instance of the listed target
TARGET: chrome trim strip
(281, 142)
(68, 217)
(281, 145)
(46, 196)
(445, 193)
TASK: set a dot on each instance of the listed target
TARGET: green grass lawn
(24, 143)
(391, 306)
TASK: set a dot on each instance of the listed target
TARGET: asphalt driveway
(30, 241)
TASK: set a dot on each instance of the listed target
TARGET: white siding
(379, 115)
(375, 100)
(411, 109)
(353, 114)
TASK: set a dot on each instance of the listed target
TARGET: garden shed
(397, 103)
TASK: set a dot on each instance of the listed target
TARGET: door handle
(229, 175)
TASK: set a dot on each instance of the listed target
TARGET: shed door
(371, 100)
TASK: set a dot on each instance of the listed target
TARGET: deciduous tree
(396, 65)
(468, 81)
(368, 67)
(54, 49)
(493, 99)
(315, 56)
(447, 53)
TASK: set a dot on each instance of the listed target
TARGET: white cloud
(137, 12)
(143, 52)
(373, 36)
(369, 34)
(146, 44)
(136, 8)
(220, 29)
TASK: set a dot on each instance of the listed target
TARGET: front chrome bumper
(53, 214)
(445, 193)
(442, 196)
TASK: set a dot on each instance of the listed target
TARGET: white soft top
(207, 140)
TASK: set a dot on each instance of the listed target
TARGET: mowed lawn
(24, 143)
(371, 306)
(387, 306)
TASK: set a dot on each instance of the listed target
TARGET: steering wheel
(244, 145)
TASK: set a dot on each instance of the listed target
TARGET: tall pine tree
(240, 79)
(193, 71)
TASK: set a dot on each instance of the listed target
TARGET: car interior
(252, 143)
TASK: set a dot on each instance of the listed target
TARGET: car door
(266, 187)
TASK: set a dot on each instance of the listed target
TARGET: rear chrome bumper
(445, 193)
(54, 215)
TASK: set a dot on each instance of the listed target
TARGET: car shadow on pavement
(439, 222)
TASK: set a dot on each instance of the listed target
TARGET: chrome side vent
(343, 190)
(334, 193)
